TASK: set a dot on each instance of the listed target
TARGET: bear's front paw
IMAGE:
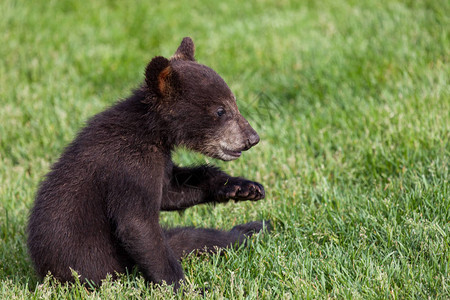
(240, 189)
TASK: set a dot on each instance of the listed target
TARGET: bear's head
(197, 105)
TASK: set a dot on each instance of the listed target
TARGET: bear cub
(97, 211)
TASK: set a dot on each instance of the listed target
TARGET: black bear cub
(97, 210)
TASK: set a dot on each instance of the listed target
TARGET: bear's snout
(252, 140)
(249, 136)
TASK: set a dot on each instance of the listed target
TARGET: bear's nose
(252, 140)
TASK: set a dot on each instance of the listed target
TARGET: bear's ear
(185, 51)
(160, 77)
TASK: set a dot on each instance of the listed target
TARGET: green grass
(350, 98)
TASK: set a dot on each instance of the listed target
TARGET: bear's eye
(220, 111)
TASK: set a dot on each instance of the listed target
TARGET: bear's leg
(93, 259)
(184, 240)
(206, 184)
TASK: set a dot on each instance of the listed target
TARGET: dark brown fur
(97, 211)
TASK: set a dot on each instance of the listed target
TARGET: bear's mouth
(232, 153)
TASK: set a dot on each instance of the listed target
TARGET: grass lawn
(352, 103)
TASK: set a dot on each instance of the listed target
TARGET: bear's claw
(241, 189)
